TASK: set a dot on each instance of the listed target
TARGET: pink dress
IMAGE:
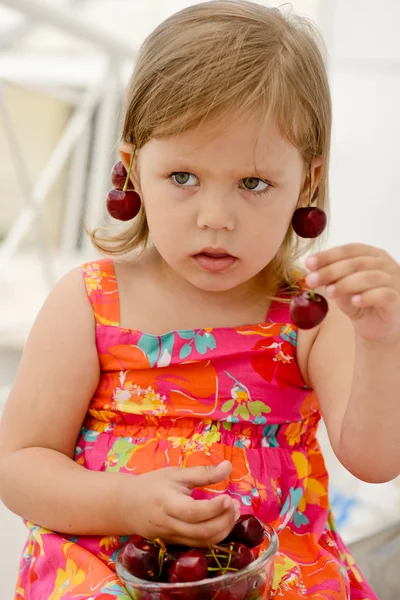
(191, 398)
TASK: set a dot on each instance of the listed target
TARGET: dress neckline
(278, 313)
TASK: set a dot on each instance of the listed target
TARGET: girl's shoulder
(69, 300)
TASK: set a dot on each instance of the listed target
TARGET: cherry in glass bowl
(254, 582)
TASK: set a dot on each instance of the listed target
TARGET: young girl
(163, 392)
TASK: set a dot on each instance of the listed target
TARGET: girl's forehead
(244, 142)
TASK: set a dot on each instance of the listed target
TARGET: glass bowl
(252, 583)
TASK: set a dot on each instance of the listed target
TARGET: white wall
(364, 45)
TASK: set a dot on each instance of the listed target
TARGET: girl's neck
(156, 300)
(251, 294)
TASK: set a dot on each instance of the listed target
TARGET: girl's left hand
(365, 282)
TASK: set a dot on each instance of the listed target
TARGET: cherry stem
(128, 175)
(230, 557)
(223, 549)
(215, 558)
(224, 569)
(310, 197)
(312, 294)
(161, 555)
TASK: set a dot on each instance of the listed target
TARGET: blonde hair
(229, 55)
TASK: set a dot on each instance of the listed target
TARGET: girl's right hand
(161, 506)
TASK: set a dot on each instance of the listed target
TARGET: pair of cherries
(123, 203)
(307, 310)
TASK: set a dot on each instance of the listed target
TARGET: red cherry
(308, 309)
(309, 222)
(140, 558)
(175, 594)
(168, 563)
(242, 556)
(173, 553)
(119, 176)
(257, 582)
(248, 530)
(224, 595)
(216, 573)
(190, 566)
(123, 206)
(222, 553)
(237, 591)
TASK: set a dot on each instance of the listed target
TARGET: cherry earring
(308, 309)
(123, 202)
(310, 221)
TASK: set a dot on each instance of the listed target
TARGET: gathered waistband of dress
(243, 434)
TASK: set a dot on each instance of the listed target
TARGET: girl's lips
(214, 262)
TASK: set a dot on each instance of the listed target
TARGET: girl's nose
(216, 214)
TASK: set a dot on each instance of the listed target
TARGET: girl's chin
(209, 280)
(221, 282)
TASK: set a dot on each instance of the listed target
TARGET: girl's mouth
(214, 260)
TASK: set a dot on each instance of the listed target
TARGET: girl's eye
(185, 179)
(254, 184)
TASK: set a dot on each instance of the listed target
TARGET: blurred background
(64, 65)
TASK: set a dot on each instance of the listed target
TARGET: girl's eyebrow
(263, 172)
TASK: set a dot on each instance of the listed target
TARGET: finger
(236, 505)
(200, 534)
(337, 270)
(190, 510)
(201, 476)
(357, 283)
(382, 298)
(316, 261)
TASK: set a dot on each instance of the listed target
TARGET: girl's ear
(315, 170)
(125, 151)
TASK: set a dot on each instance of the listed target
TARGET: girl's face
(219, 199)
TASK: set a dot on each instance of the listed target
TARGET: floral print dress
(191, 398)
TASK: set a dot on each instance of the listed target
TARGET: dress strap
(280, 308)
(102, 290)
(279, 312)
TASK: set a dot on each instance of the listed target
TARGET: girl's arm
(39, 480)
(58, 375)
(354, 363)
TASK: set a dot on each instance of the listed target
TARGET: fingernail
(330, 290)
(236, 505)
(225, 463)
(312, 261)
(312, 279)
(227, 502)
